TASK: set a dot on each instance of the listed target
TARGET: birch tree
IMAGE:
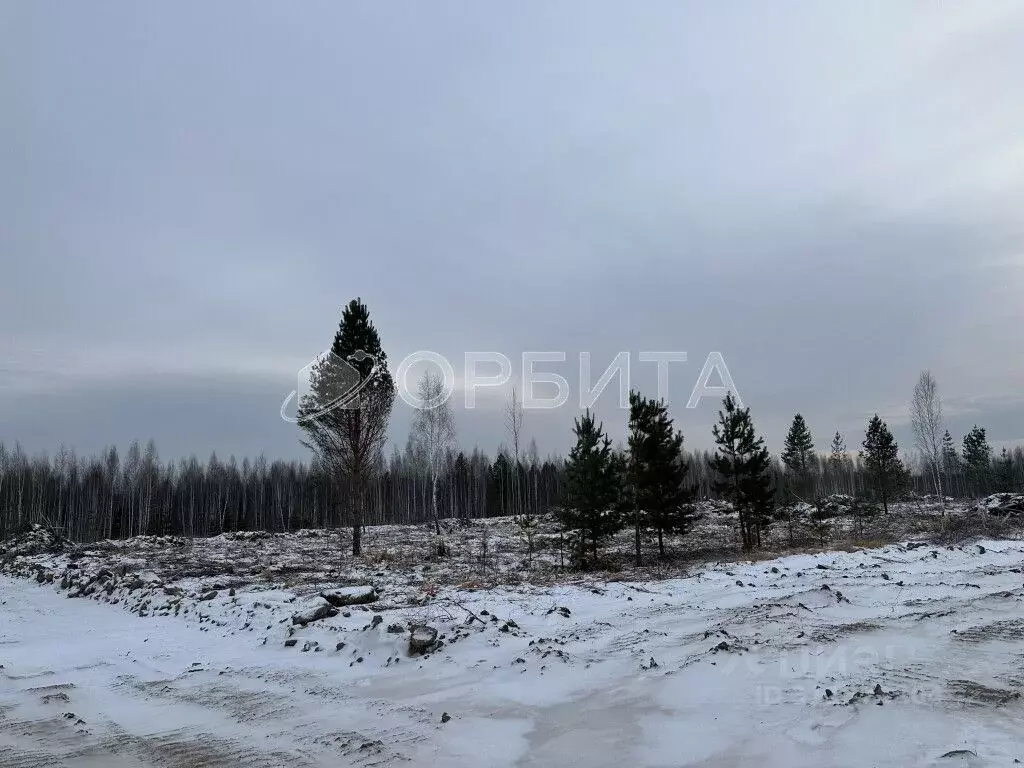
(433, 433)
(514, 426)
(926, 423)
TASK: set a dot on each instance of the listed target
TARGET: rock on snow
(346, 596)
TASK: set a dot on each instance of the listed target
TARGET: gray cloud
(829, 195)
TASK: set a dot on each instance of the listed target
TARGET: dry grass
(409, 556)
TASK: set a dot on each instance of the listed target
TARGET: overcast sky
(829, 194)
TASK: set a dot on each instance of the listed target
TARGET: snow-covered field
(892, 656)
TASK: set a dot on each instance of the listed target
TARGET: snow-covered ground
(894, 656)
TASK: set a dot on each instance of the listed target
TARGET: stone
(316, 612)
(346, 596)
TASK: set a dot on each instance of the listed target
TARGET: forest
(110, 496)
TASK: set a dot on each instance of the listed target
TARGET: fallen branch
(471, 614)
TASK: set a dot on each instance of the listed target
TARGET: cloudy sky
(829, 194)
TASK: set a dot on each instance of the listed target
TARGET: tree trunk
(357, 516)
(637, 541)
(433, 503)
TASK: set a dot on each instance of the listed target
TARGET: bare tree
(926, 422)
(433, 432)
(514, 420)
(514, 425)
(521, 506)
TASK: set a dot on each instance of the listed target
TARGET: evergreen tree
(743, 464)
(977, 461)
(798, 458)
(627, 505)
(461, 483)
(346, 415)
(655, 471)
(798, 449)
(499, 487)
(590, 510)
(1004, 472)
(838, 456)
(881, 457)
(861, 509)
(839, 459)
(950, 460)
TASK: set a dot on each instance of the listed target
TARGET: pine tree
(950, 460)
(498, 486)
(977, 461)
(592, 488)
(347, 413)
(627, 506)
(881, 457)
(742, 463)
(655, 471)
(798, 453)
(861, 509)
(798, 457)
(838, 458)
(461, 472)
(1004, 472)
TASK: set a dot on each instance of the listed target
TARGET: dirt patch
(970, 693)
(832, 633)
(1009, 630)
(187, 749)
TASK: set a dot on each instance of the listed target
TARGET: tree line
(114, 496)
(109, 496)
(350, 482)
(647, 486)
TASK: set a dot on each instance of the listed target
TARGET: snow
(593, 673)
